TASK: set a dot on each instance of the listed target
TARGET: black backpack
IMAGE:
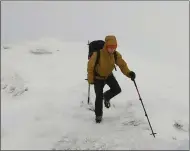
(96, 46)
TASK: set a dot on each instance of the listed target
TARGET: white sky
(83, 20)
(158, 29)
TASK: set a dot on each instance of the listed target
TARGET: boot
(106, 103)
(98, 119)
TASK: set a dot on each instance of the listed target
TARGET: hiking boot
(106, 103)
(98, 119)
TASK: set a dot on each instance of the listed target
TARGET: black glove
(132, 75)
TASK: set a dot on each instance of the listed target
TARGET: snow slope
(44, 95)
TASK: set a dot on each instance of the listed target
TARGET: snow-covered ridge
(48, 92)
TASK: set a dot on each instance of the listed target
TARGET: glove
(90, 81)
(132, 75)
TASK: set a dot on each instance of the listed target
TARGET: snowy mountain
(44, 100)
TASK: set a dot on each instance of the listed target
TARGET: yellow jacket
(106, 62)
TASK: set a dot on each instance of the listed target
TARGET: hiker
(102, 74)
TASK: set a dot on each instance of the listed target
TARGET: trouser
(99, 86)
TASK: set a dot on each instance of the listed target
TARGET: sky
(158, 30)
(85, 20)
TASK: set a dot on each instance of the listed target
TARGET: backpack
(96, 46)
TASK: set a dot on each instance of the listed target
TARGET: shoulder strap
(115, 57)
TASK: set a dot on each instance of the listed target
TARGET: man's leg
(114, 89)
(98, 87)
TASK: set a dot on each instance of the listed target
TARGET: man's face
(111, 48)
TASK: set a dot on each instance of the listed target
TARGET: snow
(42, 95)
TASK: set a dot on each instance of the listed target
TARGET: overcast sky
(149, 28)
(154, 28)
(85, 20)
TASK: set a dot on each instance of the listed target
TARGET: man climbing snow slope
(102, 74)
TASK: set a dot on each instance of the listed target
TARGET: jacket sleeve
(90, 68)
(122, 64)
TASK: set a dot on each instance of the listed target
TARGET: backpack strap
(115, 57)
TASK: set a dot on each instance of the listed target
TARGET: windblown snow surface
(44, 100)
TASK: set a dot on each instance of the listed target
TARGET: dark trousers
(99, 86)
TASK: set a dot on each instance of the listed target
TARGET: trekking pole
(87, 79)
(88, 93)
(144, 109)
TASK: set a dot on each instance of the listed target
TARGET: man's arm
(90, 68)
(122, 64)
